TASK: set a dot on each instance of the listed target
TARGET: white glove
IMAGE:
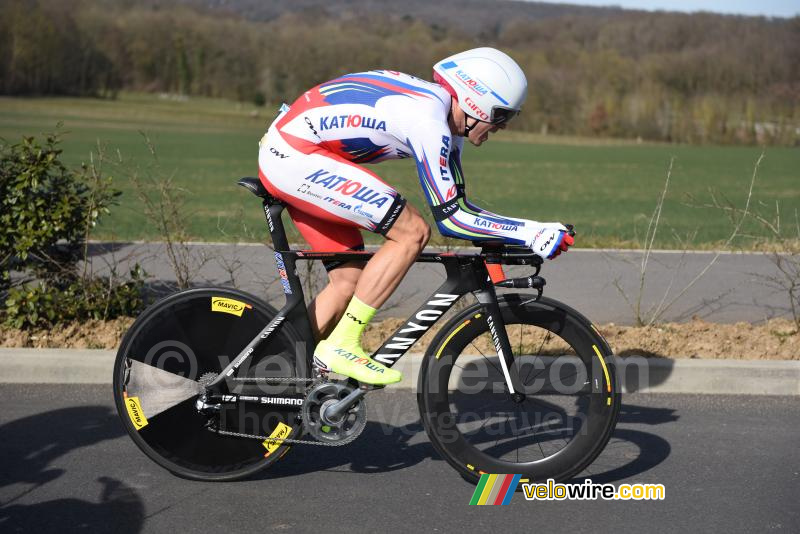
(545, 238)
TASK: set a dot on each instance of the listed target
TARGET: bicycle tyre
(174, 343)
(600, 395)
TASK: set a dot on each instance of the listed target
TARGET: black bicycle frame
(466, 273)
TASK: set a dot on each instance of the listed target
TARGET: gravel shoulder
(776, 339)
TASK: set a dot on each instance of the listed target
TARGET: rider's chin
(477, 140)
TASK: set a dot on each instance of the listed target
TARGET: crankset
(327, 420)
(334, 413)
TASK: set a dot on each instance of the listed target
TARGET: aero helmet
(487, 83)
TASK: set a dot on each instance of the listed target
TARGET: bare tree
(782, 244)
(654, 313)
(164, 205)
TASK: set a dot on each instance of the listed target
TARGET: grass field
(608, 189)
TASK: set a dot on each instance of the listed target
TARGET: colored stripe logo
(495, 489)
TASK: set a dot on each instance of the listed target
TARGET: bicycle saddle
(255, 186)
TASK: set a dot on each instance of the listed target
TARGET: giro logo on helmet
(482, 115)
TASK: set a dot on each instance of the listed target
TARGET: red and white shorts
(330, 198)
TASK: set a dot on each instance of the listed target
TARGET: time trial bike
(214, 384)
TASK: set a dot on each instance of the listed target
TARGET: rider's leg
(340, 198)
(325, 310)
(341, 352)
(328, 306)
(378, 281)
(386, 269)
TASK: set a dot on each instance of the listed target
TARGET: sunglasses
(502, 115)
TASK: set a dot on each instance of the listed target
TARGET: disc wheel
(180, 344)
(562, 420)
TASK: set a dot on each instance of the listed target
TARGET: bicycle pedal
(320, 366)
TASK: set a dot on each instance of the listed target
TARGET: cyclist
(311, 158)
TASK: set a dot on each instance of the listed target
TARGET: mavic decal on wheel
(446, 341)
(605, 369)
(234, 307)
(135, 412)
(281, 432)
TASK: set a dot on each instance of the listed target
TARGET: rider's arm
(465, 205)
(438, 163)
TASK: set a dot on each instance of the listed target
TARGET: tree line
(698, 78)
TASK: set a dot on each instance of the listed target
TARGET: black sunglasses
(502, 115)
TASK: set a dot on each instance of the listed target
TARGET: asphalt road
(600, 284)
(729, 464)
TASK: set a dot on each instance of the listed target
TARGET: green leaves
(45, 304)
(47, 213)
(42, 203)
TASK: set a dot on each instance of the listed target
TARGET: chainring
(345, 429)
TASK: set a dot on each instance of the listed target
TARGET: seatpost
(286, 262)
(272, 211)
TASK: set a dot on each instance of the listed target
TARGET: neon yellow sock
(352, 324)
(342, 352)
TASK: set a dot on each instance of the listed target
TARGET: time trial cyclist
(312, 159)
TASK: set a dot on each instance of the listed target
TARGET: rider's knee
(418, 235)
(425, 234)
(416, 232)
(345, 288)
(344, 279)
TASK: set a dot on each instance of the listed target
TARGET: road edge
(636, 374)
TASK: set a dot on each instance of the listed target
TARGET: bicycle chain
(314, 381)
(293, 441)
(274, 379)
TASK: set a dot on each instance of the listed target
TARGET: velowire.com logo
(495, 489)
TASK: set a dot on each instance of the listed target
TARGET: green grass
(608, 189)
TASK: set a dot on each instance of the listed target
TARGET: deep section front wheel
(179, 345)
(560, 423)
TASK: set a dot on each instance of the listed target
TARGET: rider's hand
(551, 239)
(567, 240)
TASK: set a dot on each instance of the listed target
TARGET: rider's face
(480, 132)
(458, 120)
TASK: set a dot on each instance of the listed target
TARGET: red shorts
(330, 199)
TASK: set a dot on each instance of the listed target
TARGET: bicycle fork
(487, 297)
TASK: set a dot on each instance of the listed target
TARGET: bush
(43, 203)
(45, 304)
(47, 213)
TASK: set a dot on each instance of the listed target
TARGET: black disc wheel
(179, 345)
(554, 428)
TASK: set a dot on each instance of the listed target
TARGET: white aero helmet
(487, 83)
